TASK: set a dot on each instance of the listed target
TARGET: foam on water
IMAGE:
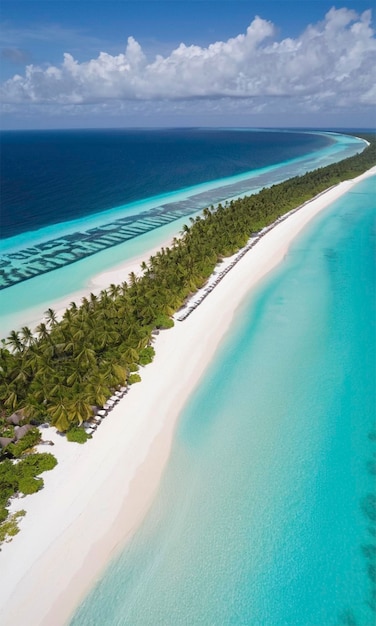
(264, 515)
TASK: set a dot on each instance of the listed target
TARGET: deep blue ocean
(55, 176)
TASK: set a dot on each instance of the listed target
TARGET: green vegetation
(21, 477)
(146, 355)
(16, 450)
(10, 528)
(28, 485)
(163, 321)
(35, 464)
(76, 434)
(134, 378)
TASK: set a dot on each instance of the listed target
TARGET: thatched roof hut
(4, 441)
(21, 431)
(14, 419)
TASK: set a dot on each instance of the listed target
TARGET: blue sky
(68, 63)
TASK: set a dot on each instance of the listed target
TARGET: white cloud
(332, 63)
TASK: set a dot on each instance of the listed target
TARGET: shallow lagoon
(262, 517)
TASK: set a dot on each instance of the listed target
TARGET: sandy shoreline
(103, 280)
(99, 492)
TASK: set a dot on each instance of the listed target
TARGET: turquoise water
(264, 514)
(24, 302)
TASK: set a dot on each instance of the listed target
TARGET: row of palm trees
(59, 371)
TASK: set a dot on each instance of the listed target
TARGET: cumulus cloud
(331, 62)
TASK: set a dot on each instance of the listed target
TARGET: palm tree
(85, 358)
(85, 305)
(98, 390)
(93, 300)
(27, 336)
(24, 373)
(6, 362)
(124, 288)
(79, 410)
(59, 415)
(106, 337)
(145, 268)
(133, 279)
(51, 317)
(132, 355)
(75, 378)
(9, 396)
(114, 291)
(103, 296)
(43, 332)
(32, 408)
(15, 342)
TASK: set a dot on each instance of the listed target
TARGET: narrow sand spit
(97, 495)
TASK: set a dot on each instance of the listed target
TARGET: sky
(153, 63)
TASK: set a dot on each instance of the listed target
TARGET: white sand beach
(98, 494)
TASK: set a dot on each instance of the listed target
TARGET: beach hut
(21, 431)
(4, 441)
(14, 419)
